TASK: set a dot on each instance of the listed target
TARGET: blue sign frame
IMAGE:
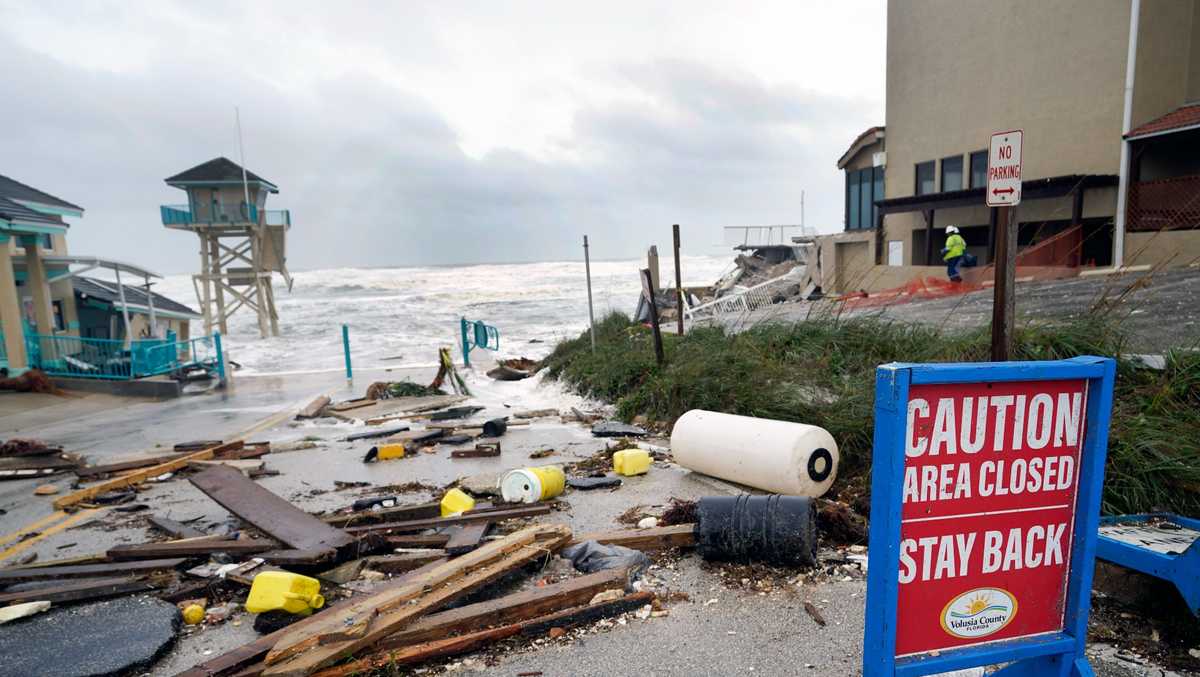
(1182, 570)
(1060, 653)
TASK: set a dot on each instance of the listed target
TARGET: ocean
(398, 317)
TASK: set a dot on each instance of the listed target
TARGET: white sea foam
(398, 317)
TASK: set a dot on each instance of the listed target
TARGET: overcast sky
(407, 133)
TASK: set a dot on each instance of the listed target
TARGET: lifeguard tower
(242, 244)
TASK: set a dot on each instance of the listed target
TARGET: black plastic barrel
(495, 427)
(773, 529)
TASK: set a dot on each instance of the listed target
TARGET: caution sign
(980, 514)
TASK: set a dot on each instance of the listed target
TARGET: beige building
(960, 70)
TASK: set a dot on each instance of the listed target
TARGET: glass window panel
(852, 201)
(864, 216)
(925, 172)
(878, 194)
(952, 173)
(979, 160)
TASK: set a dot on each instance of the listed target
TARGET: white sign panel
(1004, 169)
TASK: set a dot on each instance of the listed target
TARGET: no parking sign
(986, 483)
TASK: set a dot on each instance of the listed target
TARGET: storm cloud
(379, 168)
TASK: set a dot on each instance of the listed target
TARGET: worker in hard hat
(953, 252)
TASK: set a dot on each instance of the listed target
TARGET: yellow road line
(65, 524)
(56, 515)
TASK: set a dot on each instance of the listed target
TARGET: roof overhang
(20, 227)
(49, 209)
(1162, 132)
(867, 138)
(1033, 189)
(187, 184)
(91, 263)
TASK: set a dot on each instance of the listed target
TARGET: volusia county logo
(978, 613)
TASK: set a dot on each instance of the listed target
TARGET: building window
(952, 173)
(925, 185)
(57, 308)
(979, 160)
(863, 188)
(47, 241)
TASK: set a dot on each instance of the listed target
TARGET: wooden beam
(512, 608)
(313, 409)
(80, 591)
(173, 528)
(132, 478)
(109, 468)
(189, 549)
(658, 538)
(273, 515)
(564, 618)
(467, 538)
(12, 575)
(327, 637)
(418, 540)
(404, 562)
(402, 512)
(465, 518)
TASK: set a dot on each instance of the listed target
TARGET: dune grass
(822, 372)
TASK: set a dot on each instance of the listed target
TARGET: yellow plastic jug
(284, 591)
(387, 451)
(456, 501)
(631, 462)
(530, 485)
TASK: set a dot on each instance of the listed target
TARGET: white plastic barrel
(776, 456)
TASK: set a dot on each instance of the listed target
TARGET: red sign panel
(990, 478)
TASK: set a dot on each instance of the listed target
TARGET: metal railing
(734, 308)
(764, 236)
(183, 215)
(76, 357)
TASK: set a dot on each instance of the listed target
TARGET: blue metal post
(466, 346)
(346, 350)
(220, 356)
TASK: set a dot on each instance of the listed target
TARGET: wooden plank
(247, 654)
(419, 541)
(658, 538)
(291, 557)
(134, 464)
(244, 466)
(189, 549)
(401, 512)
(313, 409)
(371, 434)
(250, 451)
(132, 478)
(564, 618)
(467, 538)
(13, 575)
(404, 562)
(173, 528)
(328, 637)
(197, 445)
(78, 592)
(37, 463)
(465, 518)
(273, 515)
(510, 608)
(486, 450)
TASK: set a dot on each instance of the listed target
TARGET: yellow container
(389, 451)
(456, 501)
(530, 485)
(193, 614)
(631, 462)
(284, 591)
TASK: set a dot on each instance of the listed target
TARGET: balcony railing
(1164, 204)
(183, 215)
(763, 236)
(75, 357)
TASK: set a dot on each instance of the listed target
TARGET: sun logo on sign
(978, 613)
(979, 603)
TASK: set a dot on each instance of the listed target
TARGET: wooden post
(652, 265)
(587, 269)
(648, 290)
(678, 278)
(1003, 303)
(214, 244)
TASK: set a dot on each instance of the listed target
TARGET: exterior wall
(865, 157)
(1168, 248)
(1193, 86)
(1161, 78)
(959, 70)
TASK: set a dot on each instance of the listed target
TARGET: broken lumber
(319, 641)
(564, 618)
(80, 591)
(14, 575)
(133, 478)
(273, 515)
(402, 512)
(190, 548)
(244, 466)
(313, 409)
(418, 540)
(658, 538)
(173, 528)
(465, 518)
(197, 445)
(134, 464)
(404, 562)
(485, 450)
(293, 557)
(371, 434)
(467, 538)
(512, 608)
